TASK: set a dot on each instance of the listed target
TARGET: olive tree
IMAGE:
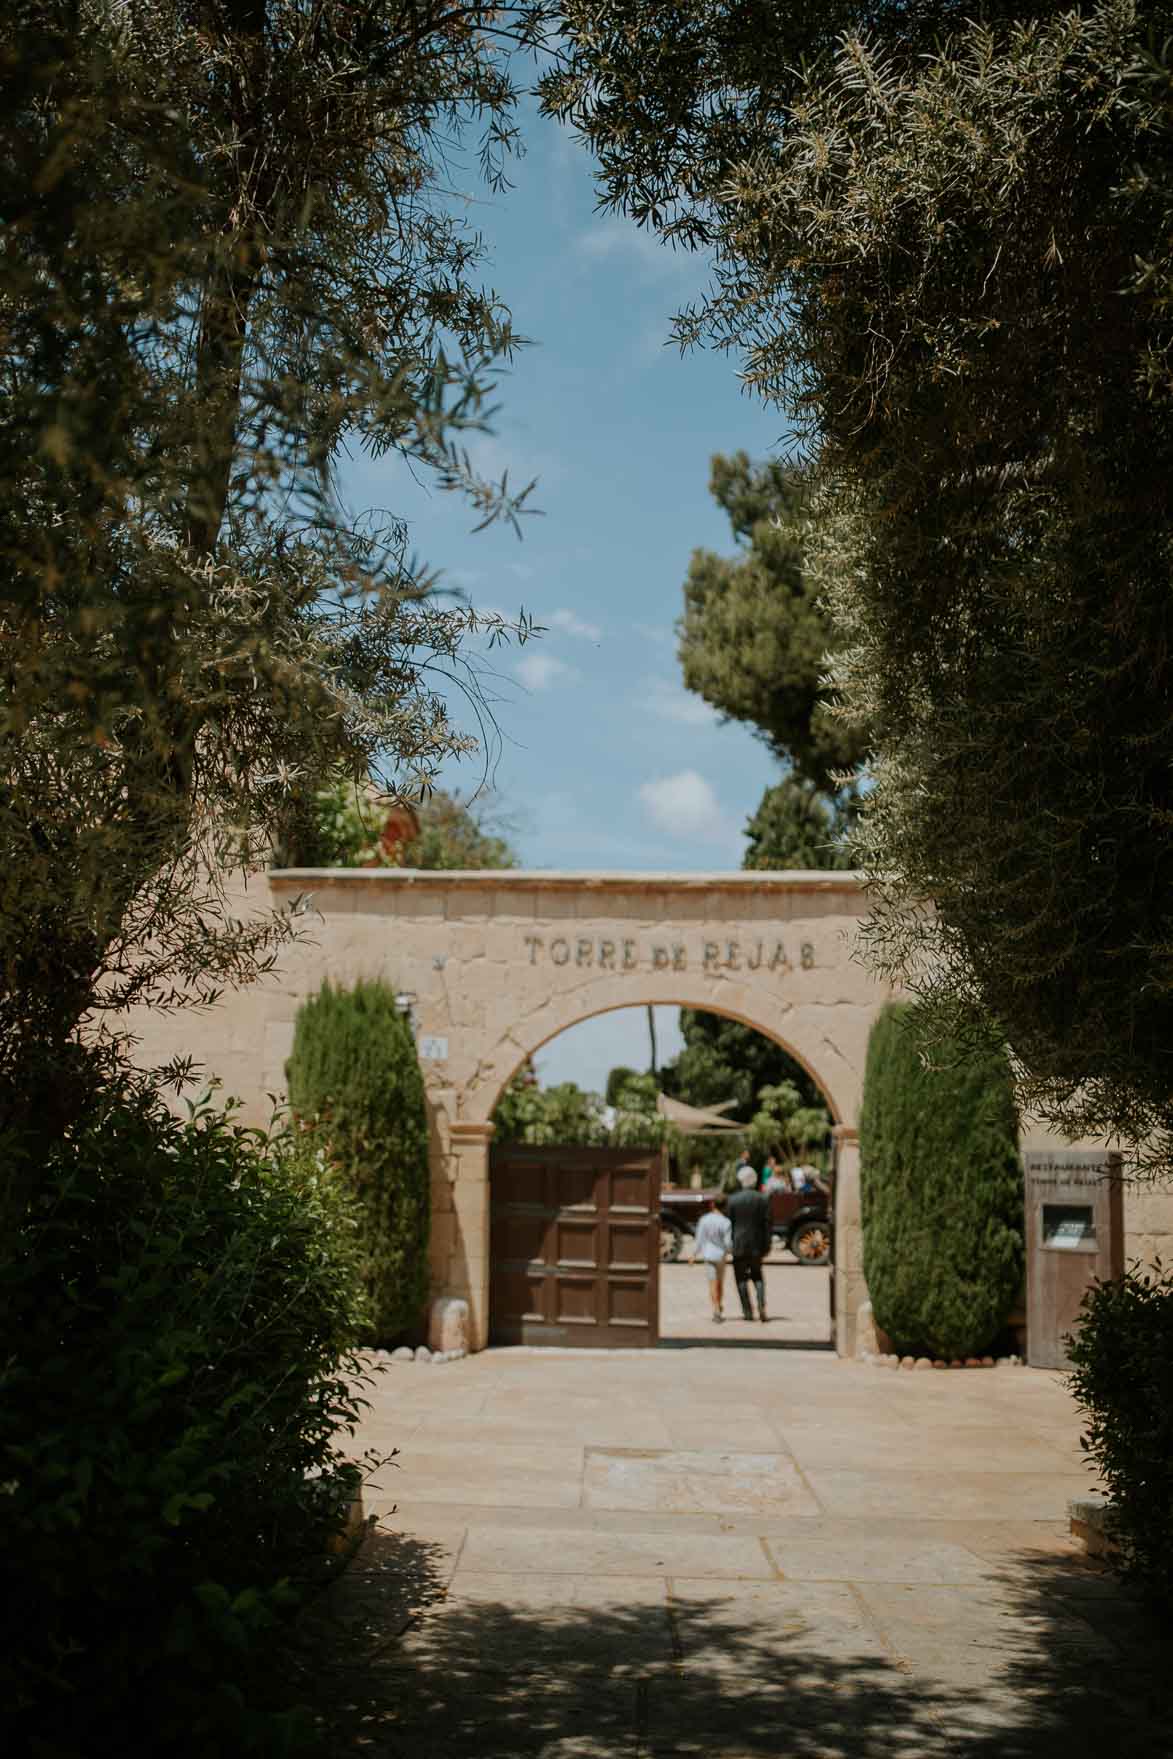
(939, 240)
(230, 259)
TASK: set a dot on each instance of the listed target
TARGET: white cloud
(669, 702)
(540, 671)
(685, 805)
(572, 624)
(618, 237)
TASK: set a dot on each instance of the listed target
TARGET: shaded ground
(734, 1553)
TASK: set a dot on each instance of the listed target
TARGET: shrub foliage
(1122, 1359)
(941, 1190)
(179, 1301)
(355, 1083)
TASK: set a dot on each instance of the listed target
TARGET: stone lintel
(300, 879)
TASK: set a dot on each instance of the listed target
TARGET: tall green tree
(724, 1060)
(753, 637)
(797, 825)
(230, 256)
(940, 244)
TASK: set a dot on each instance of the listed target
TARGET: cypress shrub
(354, 1080)
(941, 1191)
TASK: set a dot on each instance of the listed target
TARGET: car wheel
(671, 1240)
(811, 1243)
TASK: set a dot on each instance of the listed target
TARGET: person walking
(749, 1216)
(710, 1243)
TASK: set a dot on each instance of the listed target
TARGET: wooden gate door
(574, 1246)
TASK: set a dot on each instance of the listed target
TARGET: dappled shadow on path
(1058, 1665)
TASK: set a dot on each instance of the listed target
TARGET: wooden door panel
(576, 1241)
(576, 1187)
(628, 1245)
(522, 1292)
(627, 1301)
(574, 1246)
(522, 1238)
(575, 1299)
(629, 1190)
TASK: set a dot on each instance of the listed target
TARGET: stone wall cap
(520, 879)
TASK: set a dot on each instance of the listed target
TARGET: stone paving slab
(530, 1618)
(603, 1552)
(835, 1555)
(630, 1429)
(683, 1482)
(952, 1494)
(903, 1450)
(716, 1622)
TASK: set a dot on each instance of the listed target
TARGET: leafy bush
(1122, 1362)
(565, 1115)
(941, 1191)
(355, 1084)
(617, 1079)
(783, 1125)
(568, 1116)
(178, 1300)
(344, 825)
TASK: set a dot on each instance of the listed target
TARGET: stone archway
(492, 966)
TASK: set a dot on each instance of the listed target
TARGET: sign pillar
(1074, 1235)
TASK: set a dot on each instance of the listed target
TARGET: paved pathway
(734, 1553)
(798, 1305)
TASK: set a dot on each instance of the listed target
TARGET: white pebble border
(875, 1361)
(394, 1358)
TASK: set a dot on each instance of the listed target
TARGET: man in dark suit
(748, 1211)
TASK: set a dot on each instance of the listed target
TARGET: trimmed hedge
(178, 1302)
(941, 1191)
(1122, 1375)
(355, 1083)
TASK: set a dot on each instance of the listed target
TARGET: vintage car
(801, 1221)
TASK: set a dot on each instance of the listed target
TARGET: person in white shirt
(711, 1243)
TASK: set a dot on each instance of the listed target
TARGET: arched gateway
(492, 965)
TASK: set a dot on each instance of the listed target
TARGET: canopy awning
(695, 1120)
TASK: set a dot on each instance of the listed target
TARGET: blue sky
(605, 761)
